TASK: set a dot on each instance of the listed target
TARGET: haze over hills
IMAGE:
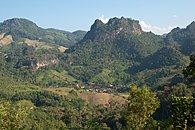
(116, 52)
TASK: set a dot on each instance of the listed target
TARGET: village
(102, 89)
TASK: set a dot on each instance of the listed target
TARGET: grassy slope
(103, 77)
(53, 75)
(10, 86)
(93, 98)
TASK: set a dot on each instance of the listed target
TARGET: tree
(77, 113)
(183, 112)
(189, 71)
(142, 103)
(12, 116)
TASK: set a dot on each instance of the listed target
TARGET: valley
(100, 79)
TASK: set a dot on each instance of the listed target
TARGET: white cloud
(155, 29)
(103, 19)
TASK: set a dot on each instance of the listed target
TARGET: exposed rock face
(136, 29)
(115, 26)
(2, 35)
(128, 25)
(45, 63)
(62, 49)
(5, 40)
(45, 60)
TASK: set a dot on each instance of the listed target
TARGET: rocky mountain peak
(114, 27)
(127, 24)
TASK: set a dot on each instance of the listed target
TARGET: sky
(158, 16)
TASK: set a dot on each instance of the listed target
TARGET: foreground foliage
(183, 112)
(12, 116)
(142, 103)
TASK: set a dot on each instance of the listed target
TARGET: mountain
(184, 39)
(116, 53)
(126, 34)
(166, 56)
(110, 49)
(118, 40)
(120, 52)
(115, 26)
(20, 28)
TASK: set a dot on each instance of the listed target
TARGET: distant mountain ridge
(183, 38)
(22, 28)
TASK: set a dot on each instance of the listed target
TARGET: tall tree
(142, 103)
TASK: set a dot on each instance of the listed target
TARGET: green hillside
(45, 85)
(11, 86)
(121, 47)
(183, 39)
(22, 28)
(117, 53)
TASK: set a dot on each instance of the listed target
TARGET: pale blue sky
(72, 15)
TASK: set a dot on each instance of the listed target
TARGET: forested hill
(116, 53)
(20, 28)
(184, 39)
(120, 52)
